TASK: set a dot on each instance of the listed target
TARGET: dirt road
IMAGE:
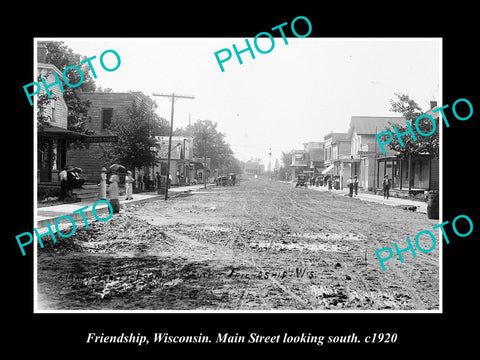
(262, 245)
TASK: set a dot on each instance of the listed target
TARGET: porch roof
(57, 132)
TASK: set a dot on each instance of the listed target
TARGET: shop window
(107, 115)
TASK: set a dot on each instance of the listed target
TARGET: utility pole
(205, 159)
(172, 98)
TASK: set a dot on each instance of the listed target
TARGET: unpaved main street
(261, 245)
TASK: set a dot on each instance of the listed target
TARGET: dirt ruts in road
(261, 245)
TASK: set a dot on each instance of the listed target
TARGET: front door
(44, 165)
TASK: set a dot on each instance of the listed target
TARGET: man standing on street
(355, 185)
(158, 182)
(386, 187)
(63, 183)
(350, 186)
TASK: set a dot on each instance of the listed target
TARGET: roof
(371, 125)
(336, 137)
(58, 132)
(52, 67)
(174, 154)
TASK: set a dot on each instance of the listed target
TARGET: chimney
(41, 52)
(433, 104)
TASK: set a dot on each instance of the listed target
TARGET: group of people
(353, 186)
(316, 181)
(70, 178)
(113, 185)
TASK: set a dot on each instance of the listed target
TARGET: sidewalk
(50, 214)
(420, 206)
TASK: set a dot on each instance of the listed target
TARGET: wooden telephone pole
(172, 98)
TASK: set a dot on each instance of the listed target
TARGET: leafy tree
(135, 146)
(160, 126)
(287, 158)
(62, 56)
(210, 142)
(424, 145)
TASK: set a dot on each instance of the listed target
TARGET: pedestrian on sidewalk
(114, 192)
(146, 182)
(158, 182)
(103, 184)
(63, 183)
(386, 187)
(129, 179)
(350, 186)
(355, 185)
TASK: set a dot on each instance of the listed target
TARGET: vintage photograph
(268, 174)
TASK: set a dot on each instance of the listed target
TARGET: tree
(283, 172)
(61, 56)
(135, 146)
(209, 142)
(287, 158)
(160, 126)
(424, 145)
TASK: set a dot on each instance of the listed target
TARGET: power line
(172, 97)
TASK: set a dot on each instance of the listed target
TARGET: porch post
(401, 172)
(409, 174)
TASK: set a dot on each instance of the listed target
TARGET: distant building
(315, 157)
(254, 167)
(299, 163)
(336, 153)
(182, 166)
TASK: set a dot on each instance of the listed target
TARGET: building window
(52, 106)
(107, 115)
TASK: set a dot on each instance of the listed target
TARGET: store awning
(57, 132)
(329, 169)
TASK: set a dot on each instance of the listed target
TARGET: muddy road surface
(261, 245)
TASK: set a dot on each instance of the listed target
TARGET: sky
(296, 93)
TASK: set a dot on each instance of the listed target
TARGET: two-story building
(183, 168)
(409, 176)
(364, 149)
(52, 132)
(336, 152)
(254, 167)
(299, 163)
(104, 108)
(315, 158)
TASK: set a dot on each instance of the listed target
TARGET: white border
(273, 312)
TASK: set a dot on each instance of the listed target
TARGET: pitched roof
(175, 154)
(371, 125)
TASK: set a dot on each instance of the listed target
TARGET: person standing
(146, 182)
(103, 184)
(386, 187)
(158, 180)
(355, 185)
(114, 192)
(129, 179)
(350, 186)
(140, 182)
(63, 183)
